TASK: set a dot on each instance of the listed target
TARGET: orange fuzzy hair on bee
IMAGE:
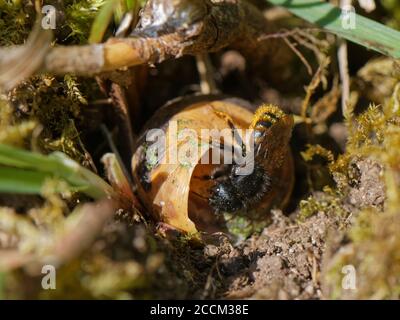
(266, 113)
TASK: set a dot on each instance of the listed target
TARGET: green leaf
(130, 4)
(368, 33)
(12, 156)
(102, 21)
(21, 181)
(19, 165)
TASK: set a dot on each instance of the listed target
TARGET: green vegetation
(365, 32)
(49, 181)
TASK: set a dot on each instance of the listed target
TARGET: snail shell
(182, 194)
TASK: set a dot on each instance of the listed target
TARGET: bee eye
(271, 115)
(266, 116)
(263, 124)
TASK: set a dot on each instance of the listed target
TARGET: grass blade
(102, 20)
(21, 181)
(19, 165)
(368, 33)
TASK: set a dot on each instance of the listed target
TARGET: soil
(281, 263)
(286, 260)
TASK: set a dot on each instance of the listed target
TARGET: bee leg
(229, 121)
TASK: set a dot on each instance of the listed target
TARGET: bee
(191, 196)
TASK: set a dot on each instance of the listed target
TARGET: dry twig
(176, 28)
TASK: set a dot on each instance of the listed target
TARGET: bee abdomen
(241, 192)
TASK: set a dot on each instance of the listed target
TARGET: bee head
(272, 132)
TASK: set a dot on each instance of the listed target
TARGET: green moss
(12, 131)
(330, 202)
(15, 22)
(374, 247)
(17, 18)
(80, 15)
(374, 251)
(242, 225)
(317, 150)
(57, 105)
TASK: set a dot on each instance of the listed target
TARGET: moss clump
(317, 150)
(374, 252)
(119, 265)
(370, 244)
(374, 247)
(241, 226)
(57, 105)
(16, 18)
(328, 202)
(74, 20)
(47, 99)
(79, 16)
(13, 132)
